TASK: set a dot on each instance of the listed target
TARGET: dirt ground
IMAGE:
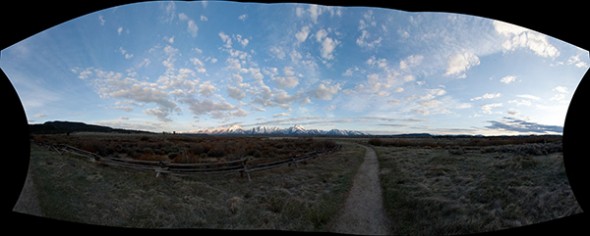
(363, 212)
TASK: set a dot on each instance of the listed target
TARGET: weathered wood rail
(165, 167)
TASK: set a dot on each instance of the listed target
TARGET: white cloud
(202, 107)
(243, 41)
(460, 63)
(169, 11)
(191, 25)
(560, 89)
(521, 102)
(487, 96)
(192, 28)
(364, 40)
(125, 53)
(283, 114)
(433, 93)
(111, 84)
(203, 18)
(399, 90)
(518, 37)
(183, 17)
(327, 44)
(314, 12)
(239, 113)
(277, 52)
(199, 65)
(487, 109)
(577, 61)
(243, 17)
(169, 40)
(561, 93)
(302, 34)
(299, 11)
(350, 71)
(207, 88)
(528, 96)
(327, 91)
(508, 79)
(289, 80)
(101, 20)
(464, 106)
(235, 93)
(226, 39)
(410, 62)
(119, 30)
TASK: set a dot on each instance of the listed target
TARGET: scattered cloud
(243, 41)
(200, 66)
(215, 108)
(365, 40)
(207, 88)
(204, 18)
(120, 30)
(301, 36)
(283, 114)
(577, 61)
(235, 93)
(169, 11)
(101, 20)
(243, 17)
(314, 12)
(528, 96)
(460, 63)
(125, 54)
(508, 79)
(191, 25)
(518, 37)
(487, 96)
(560, 94)
(487, 109)
(278, 52)
(327, 91)
(327, 44)
(289, 80)
(226, 39)
(516, 125)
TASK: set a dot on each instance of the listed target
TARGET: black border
(565, 20)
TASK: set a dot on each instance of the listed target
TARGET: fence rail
(165, 167)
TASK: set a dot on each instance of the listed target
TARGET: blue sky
(189, 66)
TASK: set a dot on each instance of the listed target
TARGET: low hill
(58, 127)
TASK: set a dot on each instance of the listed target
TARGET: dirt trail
(28, 202)
(364, 212)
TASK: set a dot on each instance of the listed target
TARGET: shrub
(376, 142)
(216, 152)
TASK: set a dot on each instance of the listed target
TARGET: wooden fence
(165, 167)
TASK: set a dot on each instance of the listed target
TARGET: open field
(303, 198)
(187, 149)
(456, 186)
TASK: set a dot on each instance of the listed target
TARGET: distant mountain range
(296, 130)
(60, 127)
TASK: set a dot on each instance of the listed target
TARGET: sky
(190, 66)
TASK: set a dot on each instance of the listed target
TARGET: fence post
(245, 170)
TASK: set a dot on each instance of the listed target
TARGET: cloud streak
(516, 125)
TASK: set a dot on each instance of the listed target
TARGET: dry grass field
(303, 198)
(457, 186)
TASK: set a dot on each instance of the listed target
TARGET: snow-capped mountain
(296, 130)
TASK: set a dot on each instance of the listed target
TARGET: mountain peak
(290, 131)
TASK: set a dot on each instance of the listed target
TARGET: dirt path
(28, 202)
(364, 212)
